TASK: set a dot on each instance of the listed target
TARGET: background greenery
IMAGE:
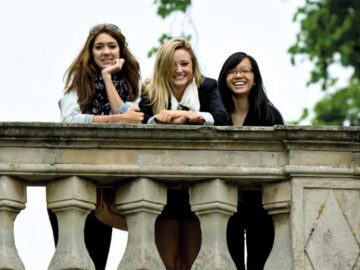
(329, 38)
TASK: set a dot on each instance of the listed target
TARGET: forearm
(103, 119)
(130, 117)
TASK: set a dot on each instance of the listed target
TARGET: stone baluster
(213, 202)
(71, 199)
(12, 201)
(141, 201)
(276, 200)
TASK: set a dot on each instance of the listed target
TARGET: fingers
(122, 61)
(119, 63)
(134, 109)
(180, 120)
(197, 121)
(167, 117)
(163, 117)
(115, 67)
(136, 116)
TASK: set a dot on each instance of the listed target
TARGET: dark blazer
(210, 101)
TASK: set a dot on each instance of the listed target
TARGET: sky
(40, 39)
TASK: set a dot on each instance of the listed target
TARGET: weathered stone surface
(12, 201)
(141, 201)
(71, 199)
(213, 202)
(310, 177)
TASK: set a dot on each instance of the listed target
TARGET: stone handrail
(309, 176)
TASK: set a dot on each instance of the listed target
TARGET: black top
(210, 101)
(252, 119)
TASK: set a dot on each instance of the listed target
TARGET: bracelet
(112, 118)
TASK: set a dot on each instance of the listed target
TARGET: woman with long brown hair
(101, 86)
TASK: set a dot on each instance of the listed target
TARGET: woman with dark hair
(243, 93)
(101, 86)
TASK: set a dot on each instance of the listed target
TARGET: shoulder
(278, 119)
(69, 97)
(208, 83)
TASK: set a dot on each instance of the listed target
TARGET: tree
(164, 9)
(330, 35)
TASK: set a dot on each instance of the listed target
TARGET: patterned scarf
(101, 104)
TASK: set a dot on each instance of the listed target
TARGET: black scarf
(100, 104)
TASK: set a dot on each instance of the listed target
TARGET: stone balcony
(310, 178)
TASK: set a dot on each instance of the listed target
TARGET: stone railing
(309, 176)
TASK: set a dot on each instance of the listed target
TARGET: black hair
(258, 99)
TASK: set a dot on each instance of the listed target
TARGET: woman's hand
(132, 116)
(179, 118)
(192, 118)
(167, 116)
(114, 68)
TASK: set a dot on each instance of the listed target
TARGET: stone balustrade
(310, 177)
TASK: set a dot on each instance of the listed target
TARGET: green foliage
(341, 107)
(303, 116)
(162, 39)
(166, 7)
(330, 34)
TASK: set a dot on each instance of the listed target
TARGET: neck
(241, 104)
(178, 92)
(241, 108)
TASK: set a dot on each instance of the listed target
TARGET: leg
(54, 225)
(190, 242)
(259, 232)
(235, 239)
(97, 240)
(167, 232)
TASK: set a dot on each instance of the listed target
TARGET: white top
(70, 110)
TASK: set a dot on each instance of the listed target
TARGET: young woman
(177, 93)
(101, 80)
(243, 93)
(100, 85)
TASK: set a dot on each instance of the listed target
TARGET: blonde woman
(177, 93)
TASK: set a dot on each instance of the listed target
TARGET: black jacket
(210, 101)
(252, 119)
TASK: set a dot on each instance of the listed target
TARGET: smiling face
(183, 70)
(105, 50)
(240, 79)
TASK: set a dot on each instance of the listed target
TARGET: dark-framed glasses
(97, 28)
(242, 70)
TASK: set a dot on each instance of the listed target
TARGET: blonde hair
(156, 89)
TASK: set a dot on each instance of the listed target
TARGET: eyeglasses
(97, 28)
(242, 70)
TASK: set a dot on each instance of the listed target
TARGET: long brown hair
(80, 74)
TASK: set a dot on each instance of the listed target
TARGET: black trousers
(97, 238)
(258, 225)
